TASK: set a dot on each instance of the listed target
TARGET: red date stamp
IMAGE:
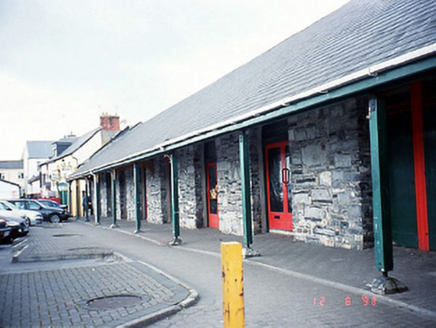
(365, 301)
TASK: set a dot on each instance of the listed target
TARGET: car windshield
(9, 205)
(34, 204)
(49, 203)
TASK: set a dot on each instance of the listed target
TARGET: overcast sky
(65, 62)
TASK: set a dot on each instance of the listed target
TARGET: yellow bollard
(233, 286)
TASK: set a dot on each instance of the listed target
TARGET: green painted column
(137, 196)
(382, 229)
(114, 199)
(87, 199)
(175, 200)
(245, 184)
(97, 199)
(70, 202)
(78, 198)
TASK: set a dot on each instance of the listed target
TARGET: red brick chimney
(110, 122)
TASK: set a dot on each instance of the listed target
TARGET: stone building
(328, 137)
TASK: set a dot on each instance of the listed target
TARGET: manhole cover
(113, 302)
(66, 235)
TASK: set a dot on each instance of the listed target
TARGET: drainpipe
(175, 201)
(137, 198)
(114, 199)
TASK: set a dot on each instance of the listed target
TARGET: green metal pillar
(97, 199)
(70, 202)
(77, 199)
(384, 259)
(246, 195)
(380, 191)
(137, 197)
(114, 199)
(87, 199)
(175, 201)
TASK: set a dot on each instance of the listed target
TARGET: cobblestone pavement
(110, 292)
(346, 271)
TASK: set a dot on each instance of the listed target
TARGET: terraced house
(330, 136)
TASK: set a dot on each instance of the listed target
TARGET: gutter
(371, 71)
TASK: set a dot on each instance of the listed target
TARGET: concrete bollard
(233, 287)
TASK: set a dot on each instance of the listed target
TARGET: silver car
(8, 208)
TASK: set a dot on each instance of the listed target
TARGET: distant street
(273, 298)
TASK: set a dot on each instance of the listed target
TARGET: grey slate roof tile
(11, 165)
(39, 149)
(359, 35)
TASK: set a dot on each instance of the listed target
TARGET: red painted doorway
(212, 195)
(278, 177)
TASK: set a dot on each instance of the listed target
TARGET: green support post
(380, 199)
(245, 184)
(114, 199)
(77, 199)
(137, 196)
(244, 160)
(382, 231)
(97, 199)
(175, 201)
(70, 202)
(87, 200)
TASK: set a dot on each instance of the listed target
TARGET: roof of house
(356, 37)
(11, 165)
(39, 149)
(77, 143)
(10, 183)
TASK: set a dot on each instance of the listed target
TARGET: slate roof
(357, 36)
(11, 165)
(77, 143)
(39, 149)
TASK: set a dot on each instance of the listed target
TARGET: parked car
(51, 203)
(9, 208)
(5, 231)
(51, 214)
(19, 226)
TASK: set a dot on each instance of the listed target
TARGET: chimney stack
(109, 122)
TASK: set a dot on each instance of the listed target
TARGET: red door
(212, 195)
(278, 186)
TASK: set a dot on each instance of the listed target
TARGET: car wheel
(55, 218)
(28, 222)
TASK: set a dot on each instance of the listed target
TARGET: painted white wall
(9, 191)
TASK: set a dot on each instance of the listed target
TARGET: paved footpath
(111, 291)
(291, 284)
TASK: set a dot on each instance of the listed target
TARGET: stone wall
(104, 191)
(258, 211)
(229, 184)
(191, 190)
(331, 175)
(157, 190)
(125, 204)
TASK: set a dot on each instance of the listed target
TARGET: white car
(33, 217)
